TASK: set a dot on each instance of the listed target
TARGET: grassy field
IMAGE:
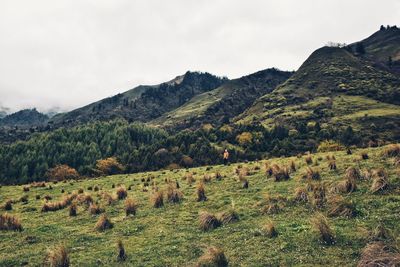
(171, 236)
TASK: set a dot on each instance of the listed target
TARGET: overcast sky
(68, 53)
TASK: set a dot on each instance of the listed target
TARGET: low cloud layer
(68, 53)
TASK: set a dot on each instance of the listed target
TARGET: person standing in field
(226, 156)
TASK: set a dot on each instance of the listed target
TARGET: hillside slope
(336, 86)
(170, 235)
(143, 103)
(225, 102)
(24, 118)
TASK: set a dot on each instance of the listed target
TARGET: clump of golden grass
(300, 195)
(121, 192)
(332, 165)
(10, 223)
(218, 176)
(319, 195)
(95, 209)
(206, 178)
(85, 198)
(226, 217)
(245, 183)
(121, 251)
(174, 195)
(392, 151)
(353, 173)
(269, 230)
(280, 173)
(330, 157)
(26, 188)
(338, 206)
(109, 199)
(24, 199)
(348, 151)
(244, 171)
(274, 204)
(59, 204)
(292, 166)
(103, 223)
(201, 192)
(38, 184)
(321, 225)
(57, 257)
(269, 171)
(157, 199)
(8, 205)
(212, 257)
(364, 155)
(130, 207)
(308, 159)
(312, 174)
(378, 254)
(380, 181)
(208, 221)
(348, 185)
(73, 209)
(189, 178)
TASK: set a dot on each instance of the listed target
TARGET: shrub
(338, 206)
(392, 150)
(103, 223)
(208, 221)
(57, 257)
(212, 257)
(329, 145)
(109, 166)
(10, 223)
(174, 195)
(157, 199)
(378, 254)
(130, 207)
(121, 251)
(61, 172)
(269, 230)
(201, 192)
(379, 181)
(121, 193)
(226, 217)
(321, 225)
(72, 209)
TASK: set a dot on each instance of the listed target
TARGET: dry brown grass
(121, 251)
(308, 159)
(130, 207)
(332, 165)
(157, 199)
(348, 185)
(103, 223)
(8, 205)
(95, 209)
(353, 173)
(108, 198)
(280, 173)
(212, 257)
(292, 166)
(319, 195)
(73, 209)
(364, 155)
(57, 257)
(206, 178)
(338, 206)
(10, 223)
(67, 200)
(208, 221)
(226, 217)
(26, 188)
(174, 195)
(201, 192)
(273, 204)
(392, 150)
(321, 225)
(38, 184)
(85, 198)
(378, 254)
(245, 183)
(312, 174)
(269, 230)
(380, 181)
(121, 192)
(300, 195)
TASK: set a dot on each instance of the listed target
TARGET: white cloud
(68, 53)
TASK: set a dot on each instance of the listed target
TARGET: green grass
(170, 236)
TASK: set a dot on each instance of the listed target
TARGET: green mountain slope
(337, 86)
(24, 118)
(225, 102)
(143, 103)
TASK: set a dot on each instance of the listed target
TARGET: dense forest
(140, 148)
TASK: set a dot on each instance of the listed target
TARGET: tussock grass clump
(24, 199)
(157, 199)
(130, 207)
(392, 151)
(319, 195)
(280, 173)
(212, 257)
(121, 193)
(218, 176)
(67, 200)
(174, 195)
(208, 221)
(73, 209)
(348, 185)
(364, 155)
(47, 197)
(226, 217)
(121, 251)
(321, 226)
(274, 204)
(332, 165)
(312, 174)
(381, 233)
(380, 181)
(96, 188)
(269, 230)
(10, 223)
(308, 159)
(37, 197)
(108, 198)
(338, 206)
(353, 173)
(378, 254)
(245, 183)
(80, 191)
(292, 166)
(90, 188)
(85, 198)
(8, 205)
(300, 195)
(103, 223)
(201, 192)
(26, 188)
(206, 178)
(95, 209)
(38, 184)
(57, 257)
